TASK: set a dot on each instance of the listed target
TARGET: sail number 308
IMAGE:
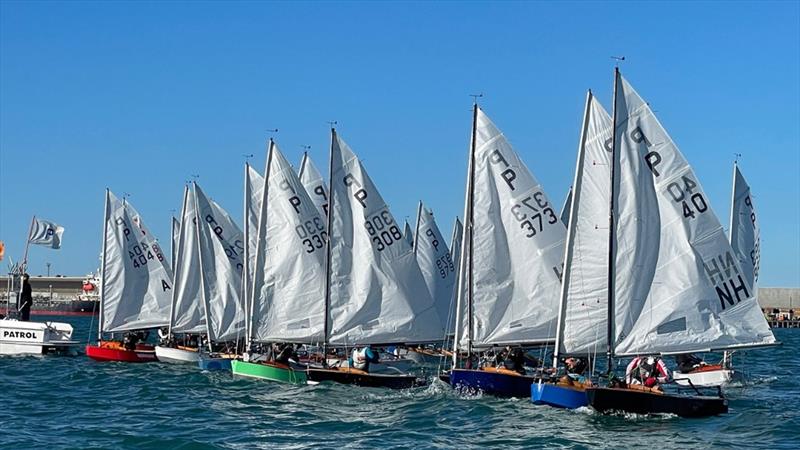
(382, 230)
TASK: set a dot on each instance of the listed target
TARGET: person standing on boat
(362, 358)
(25, 299)
(648, 371)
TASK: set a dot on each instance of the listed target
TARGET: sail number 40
(529, 213)
(682, 192)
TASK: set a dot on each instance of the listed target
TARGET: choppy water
(77, 403)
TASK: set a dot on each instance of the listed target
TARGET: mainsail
(187, 314)
(518, 244)
(136, 280)
(289, 298)
(221, 249)
(745, 232)
(584, 293)
(408, 234)
(436, 263)
(253, 190)
(176, 231)
(565, 208)
(376, 292)
(314, 184)
(679, 286)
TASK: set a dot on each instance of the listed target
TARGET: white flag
(47, 233)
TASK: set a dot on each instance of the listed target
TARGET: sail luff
(573, 199)
(203, 285)
(415, 241)
(328, 248)
(611, 229)
(246, 272)
(177, 252)
(106, 212)
(260, 262)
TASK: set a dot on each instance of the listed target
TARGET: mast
(103, 267)
(471, 221)
(262, 225)
(575, 195)
(416, 228)
(246, 271)
(202, 269)
(303, 165)
(328, 273)
(611, 230)
(177, 258)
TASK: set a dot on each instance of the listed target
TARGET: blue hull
(207, 363)
(493, 383)
(558, 396)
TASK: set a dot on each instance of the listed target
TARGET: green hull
(268, 372)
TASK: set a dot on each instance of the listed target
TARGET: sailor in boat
(514, 360)
(363, 357)
(25, 299)
(688, 362)
(133, 338)
(282, 353)
(576, 369)
(648, 371)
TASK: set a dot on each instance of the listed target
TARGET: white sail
(253, 189)
(314, 184)
(136, 282)
(745, 232)
(455, 256)
(408, 234)
(290, 298)
(565, 208)
(187, 313)
(518, 247)
(377, 293)
(679, 286)
(584, 291)
(436, 263)
(221, 248)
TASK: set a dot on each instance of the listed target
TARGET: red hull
(143, 353)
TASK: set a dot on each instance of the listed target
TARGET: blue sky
(141, 96)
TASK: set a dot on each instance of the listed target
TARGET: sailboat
(374, 292)
(208, 293)
(439, 271)
(509, 276)
(583, 308)
(745, 241)
(135, 285)
(689, 293)
(288, 276)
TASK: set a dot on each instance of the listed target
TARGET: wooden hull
(641, 402)
(497, 383)
(173, 355)
(560, 396)
(360, 378)
(113, 351)
(269, 371)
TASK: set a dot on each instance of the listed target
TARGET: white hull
(176, 355)
(385, 366)
(35, 338)
(708, 378)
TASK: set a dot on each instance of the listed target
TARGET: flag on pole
(46, 233)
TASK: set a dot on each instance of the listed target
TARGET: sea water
(74, 402)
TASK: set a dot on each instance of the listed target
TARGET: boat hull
(641, 402)
(36, 338)
(269, 371)
(214, 363)
(560, 396)
(173, 355)
(113, 351)
(711, 377)
(497, 383)
(359, 378)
